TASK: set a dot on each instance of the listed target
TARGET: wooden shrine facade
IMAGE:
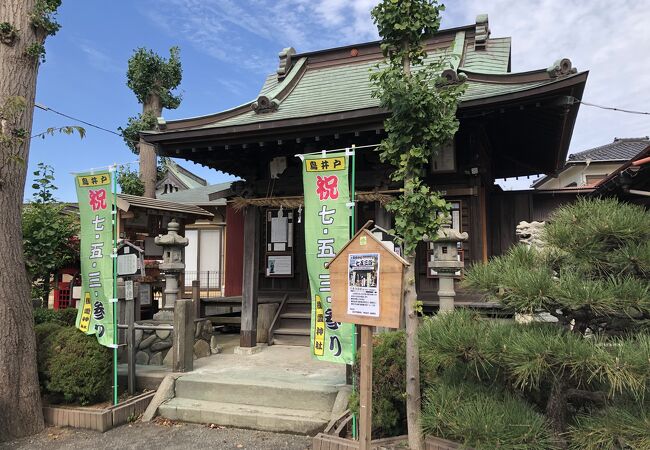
(511, 124)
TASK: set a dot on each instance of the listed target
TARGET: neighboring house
(204, 256)
(511, 124)
(177, 178)
(588, 168)
(630, 182)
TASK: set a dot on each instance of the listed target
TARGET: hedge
(72, 367)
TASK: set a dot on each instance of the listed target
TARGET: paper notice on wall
(279, 229)
(278, 265)
(363, 284)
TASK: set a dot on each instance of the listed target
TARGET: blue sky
(228, 46)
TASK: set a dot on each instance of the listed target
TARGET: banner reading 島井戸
(327, 229)
(95, 315)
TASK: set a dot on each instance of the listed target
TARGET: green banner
(327, 229)
(95, 315)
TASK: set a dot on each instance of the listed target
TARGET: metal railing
(209, 280)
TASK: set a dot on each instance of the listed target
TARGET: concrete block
(164, 393)
(248, 350)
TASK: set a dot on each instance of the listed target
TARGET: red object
(641, 162)
(234, 252)
(63, 289)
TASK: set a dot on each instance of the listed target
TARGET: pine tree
(591, 368)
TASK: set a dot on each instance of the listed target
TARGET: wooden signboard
(366, 280)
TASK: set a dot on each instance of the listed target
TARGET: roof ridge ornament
(285, 62)
(561, 67)
(265, 104)
(482, 32)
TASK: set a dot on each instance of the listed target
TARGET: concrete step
(297, 421)
(271, 393)
(302, 341)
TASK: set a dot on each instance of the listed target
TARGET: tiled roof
(622, 149)
(125, 202)
(327, 90)
(337, 81)
(198, 196)
(189, 179)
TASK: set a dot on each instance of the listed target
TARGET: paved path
(160, 435)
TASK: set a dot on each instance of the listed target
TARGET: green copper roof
(341, 85)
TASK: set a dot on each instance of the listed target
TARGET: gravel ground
(161, 435)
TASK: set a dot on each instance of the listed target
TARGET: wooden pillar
(365, 389)
(130, 344)
(248, 333)
(196, 298)
(183, 340)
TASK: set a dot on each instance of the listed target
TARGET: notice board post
(366, 280)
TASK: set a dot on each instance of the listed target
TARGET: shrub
(483, 418)
(45, 338)
(66, 317)
(388, 384)
(79, 368)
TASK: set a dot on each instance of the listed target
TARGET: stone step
(302, 341)
(297, 421)
(271, 393)
(296, 315)
(301, 331)
(285, 323)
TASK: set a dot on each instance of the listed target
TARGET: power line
(46, 108)
(611, 108)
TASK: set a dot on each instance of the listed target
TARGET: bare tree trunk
(413, 400)
(148, 155)
(20, 401)
(557, 409)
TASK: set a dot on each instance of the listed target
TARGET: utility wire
(611, 108)
(47, 108)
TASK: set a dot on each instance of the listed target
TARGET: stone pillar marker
(447, 263)
(172, 265)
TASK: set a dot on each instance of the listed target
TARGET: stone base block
(249, 350)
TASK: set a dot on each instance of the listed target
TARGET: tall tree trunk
(413, 400)
(20, 402)
(148, 155)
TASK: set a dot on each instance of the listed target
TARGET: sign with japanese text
(95, 316)
(327, 229)
(363, 284)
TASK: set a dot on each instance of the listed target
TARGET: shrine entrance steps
(280, 389)
(293, 323)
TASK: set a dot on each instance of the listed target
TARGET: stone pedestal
(154, 347)
(446, 291)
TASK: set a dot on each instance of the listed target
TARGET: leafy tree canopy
(131, 134)
(423, 111)
(49, 233)
(150, 74)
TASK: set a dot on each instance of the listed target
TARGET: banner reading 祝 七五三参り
(327, 229)
(95, 315)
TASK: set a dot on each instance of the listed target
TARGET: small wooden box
(366, 281)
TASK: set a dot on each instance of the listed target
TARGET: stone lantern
(172, 265)
(447, 263)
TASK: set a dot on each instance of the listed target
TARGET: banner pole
(115, 336)
(352, 232)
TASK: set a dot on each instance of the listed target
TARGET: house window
(204, 258)
(593, 180)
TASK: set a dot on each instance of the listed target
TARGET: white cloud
(98, 59)
(609, 39)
